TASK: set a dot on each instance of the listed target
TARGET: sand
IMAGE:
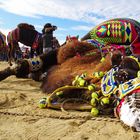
(22, 119)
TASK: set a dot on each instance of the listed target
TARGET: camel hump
(26, 26)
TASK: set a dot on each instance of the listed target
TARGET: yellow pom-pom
(96, 74)
(101, 74)
(79, 79)
(94, 111)
(105, 101)
(103, 59)
(91, 87)
(82, 82)
(43, 103)
(138, 74)
(93, 102)
(94, 95)
(59, 93)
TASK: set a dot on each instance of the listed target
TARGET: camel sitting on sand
(61, 65)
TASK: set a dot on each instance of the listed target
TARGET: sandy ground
(22, 119)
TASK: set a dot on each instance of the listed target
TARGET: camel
(3, 46)
(63, 64)
(27, 35)
(72, 72)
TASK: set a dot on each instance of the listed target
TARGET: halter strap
(136, 59)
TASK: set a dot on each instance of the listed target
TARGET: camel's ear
(77, 36)
(67, 38)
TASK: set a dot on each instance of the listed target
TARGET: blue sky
(72, 17)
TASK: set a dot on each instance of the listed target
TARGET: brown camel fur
(74, 59)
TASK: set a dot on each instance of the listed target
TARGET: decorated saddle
(120, 31)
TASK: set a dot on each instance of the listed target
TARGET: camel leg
(10, 52)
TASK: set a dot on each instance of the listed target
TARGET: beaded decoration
(114, 31)
(35, 64)
(108, 84)
(128, 87)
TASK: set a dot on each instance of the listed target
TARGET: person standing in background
(49, 42)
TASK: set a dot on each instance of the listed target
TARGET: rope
(89, 117)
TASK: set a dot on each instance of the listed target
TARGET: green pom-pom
(94, 111)
(43, 103)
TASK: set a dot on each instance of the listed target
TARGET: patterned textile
(128, 87)
(95, 43)
(109, 47)
(26, 36)
(13, 36)
(118, 31)
(114, 31)
(108, 84)
(2, 40)
(35, 64)
(36, 41)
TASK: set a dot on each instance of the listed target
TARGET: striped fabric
(13, 35)
(2, 40)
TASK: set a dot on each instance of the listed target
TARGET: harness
(35, 64)
(36, 41)
(136, 59)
